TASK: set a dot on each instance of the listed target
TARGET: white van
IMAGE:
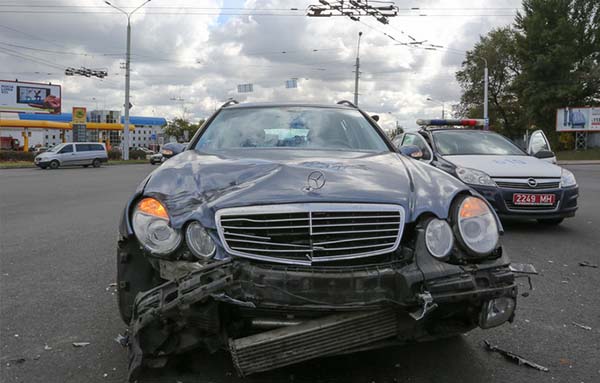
(73, 154)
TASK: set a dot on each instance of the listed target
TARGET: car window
(414, 139)
(454, 142)
(291, 127)
(96, 147)
(538, 143)
(82, 147)
(66, 149)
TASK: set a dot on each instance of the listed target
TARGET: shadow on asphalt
(419, 362)
(533, 227)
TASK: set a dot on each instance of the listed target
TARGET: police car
(517, 184)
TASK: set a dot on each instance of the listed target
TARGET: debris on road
(17, 361)
(582, 326)
(111, 285)
(514, 357)
(47, 348)
(123, 340)
(81, 344)
(587, 264)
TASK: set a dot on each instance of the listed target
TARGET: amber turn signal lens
(473, 207)
(153, 207)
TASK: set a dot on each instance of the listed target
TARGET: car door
(66, 155)
(538, 142)
(82, 154)
(417, 140)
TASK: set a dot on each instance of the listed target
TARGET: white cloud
(202, 58)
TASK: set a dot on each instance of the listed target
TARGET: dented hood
(194, 185)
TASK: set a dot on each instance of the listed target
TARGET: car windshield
(472, 143)
(291, 127)
(56, 148)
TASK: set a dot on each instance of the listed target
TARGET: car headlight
(474, 177)
(198, 241)
(477, 226)
(151, 227)
(567, 179)
(439, 238)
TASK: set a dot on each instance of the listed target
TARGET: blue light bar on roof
(446, 122)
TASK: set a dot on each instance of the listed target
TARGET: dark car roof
(284, 104)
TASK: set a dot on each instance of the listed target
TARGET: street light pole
(357, 72)
(439, 102)
(127, 76)
(485, 93)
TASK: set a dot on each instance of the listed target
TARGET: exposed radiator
(311, 339)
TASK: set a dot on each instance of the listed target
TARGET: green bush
(114, 155)
(134, 154)
(13, 155)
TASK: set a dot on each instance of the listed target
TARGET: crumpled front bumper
(421, 296)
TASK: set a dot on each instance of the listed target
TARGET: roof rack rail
(229, 102)
(346, 102)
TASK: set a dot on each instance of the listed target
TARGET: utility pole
(125, 140)
(485, 96)
(441, 103)
(357, 71)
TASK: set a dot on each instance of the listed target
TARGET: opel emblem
(532, 182)
(315, 181)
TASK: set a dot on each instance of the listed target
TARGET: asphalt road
(57, 261)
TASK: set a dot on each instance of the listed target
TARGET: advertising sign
(578, 119)
(79, 115)
(29, 97)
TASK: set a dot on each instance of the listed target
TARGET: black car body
(516, 184)
(288, 251)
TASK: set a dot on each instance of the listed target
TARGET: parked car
(515, 183)
(292, 231)
(69, 154)
(156, 158)
(149, 153)
(40, 149)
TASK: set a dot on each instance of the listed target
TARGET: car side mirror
(375, 118)
(544, 154)
(411, 151)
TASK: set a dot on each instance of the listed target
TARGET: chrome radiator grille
(523, 183)
(312, 232)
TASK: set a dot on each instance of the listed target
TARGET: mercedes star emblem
(315, 181)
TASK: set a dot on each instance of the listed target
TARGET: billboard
(29, 97)
(79, 115)
(585, 119)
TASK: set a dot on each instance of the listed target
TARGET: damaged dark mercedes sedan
(290, 232)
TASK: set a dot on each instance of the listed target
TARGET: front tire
(54, 164)
(550, 221)
(96, 163)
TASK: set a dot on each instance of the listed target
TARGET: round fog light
(199, 242)
(439, 238)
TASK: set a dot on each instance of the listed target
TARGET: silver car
(73, 154)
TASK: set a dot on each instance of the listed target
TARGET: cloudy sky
(188, 56)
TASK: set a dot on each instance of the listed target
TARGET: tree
(558, 46)
(182, 129)
(504, 109)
